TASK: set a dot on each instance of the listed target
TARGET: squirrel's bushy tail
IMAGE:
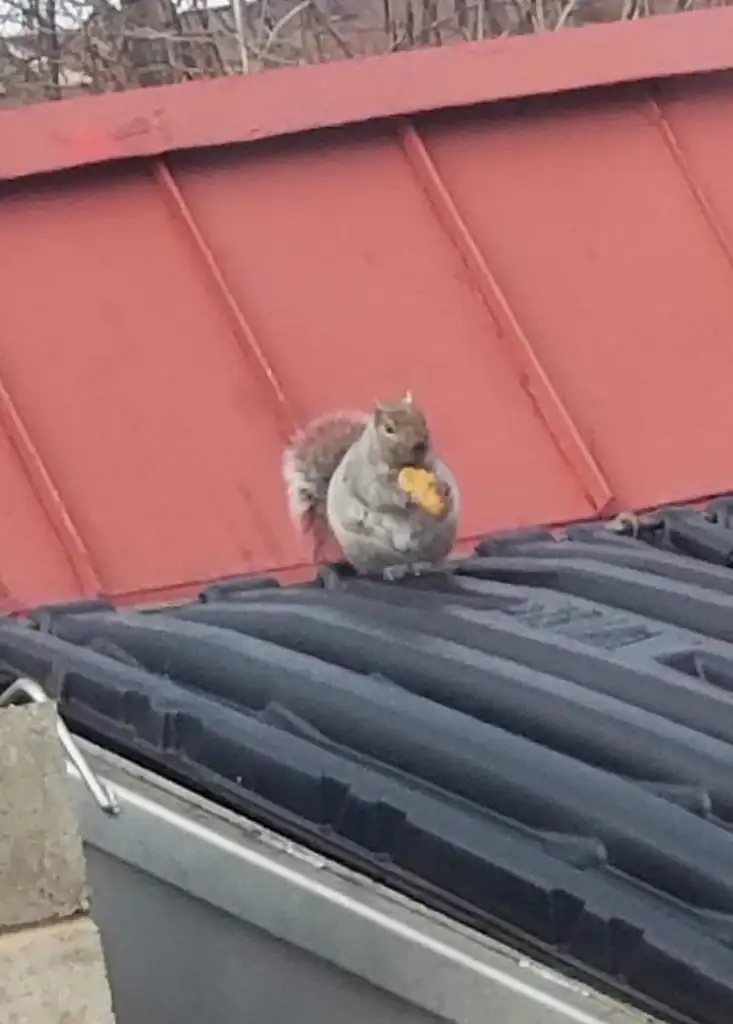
(310, 460)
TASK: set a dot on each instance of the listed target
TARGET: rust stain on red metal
(547, 265)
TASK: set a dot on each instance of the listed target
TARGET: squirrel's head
(402, 432)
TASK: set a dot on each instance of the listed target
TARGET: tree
(50, 49)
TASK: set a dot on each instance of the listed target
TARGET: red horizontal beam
(151, 122)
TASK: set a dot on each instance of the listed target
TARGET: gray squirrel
(344, 476)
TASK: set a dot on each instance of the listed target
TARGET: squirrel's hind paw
(330, 575)
(399, 572)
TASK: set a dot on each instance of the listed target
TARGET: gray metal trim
(340, 916)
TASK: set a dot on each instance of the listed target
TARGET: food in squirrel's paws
(423, 488)
(341, 476)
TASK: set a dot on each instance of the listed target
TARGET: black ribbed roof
(539, 741)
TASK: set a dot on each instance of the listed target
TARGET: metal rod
(30, 690)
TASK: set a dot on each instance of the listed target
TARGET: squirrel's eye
(388, 428)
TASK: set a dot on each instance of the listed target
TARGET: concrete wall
(52, 967)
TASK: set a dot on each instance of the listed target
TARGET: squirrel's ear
(408, 399)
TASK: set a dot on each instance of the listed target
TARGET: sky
(72, 12)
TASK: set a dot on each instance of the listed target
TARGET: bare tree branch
(50, 49)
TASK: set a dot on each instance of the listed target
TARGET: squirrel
(346, 476)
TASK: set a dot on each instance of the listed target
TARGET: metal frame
(308, 901)
(49, 137)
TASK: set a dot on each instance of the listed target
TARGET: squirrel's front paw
(403, 499)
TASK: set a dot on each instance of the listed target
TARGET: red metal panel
(616, 277)
(357, 292)
(553, 279)
(696, 124)
(124, 367)
(33, 560)
(532, 375)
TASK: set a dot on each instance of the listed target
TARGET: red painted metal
(242, 330)
(530, 370)
(551, 276)
(48, 498)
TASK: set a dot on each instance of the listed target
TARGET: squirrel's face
(403, 433)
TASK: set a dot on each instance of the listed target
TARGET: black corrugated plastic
(539, 742)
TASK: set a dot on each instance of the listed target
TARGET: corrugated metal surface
(538, 742)
(552, 277)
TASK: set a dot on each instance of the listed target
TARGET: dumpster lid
(537, 742)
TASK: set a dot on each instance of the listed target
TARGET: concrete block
(54, 974)
(42, 868)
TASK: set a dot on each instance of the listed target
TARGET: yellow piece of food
(423, 487)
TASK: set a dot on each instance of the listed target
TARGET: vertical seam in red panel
(49, 497)
(532, 375)
(683, 167)
(245, 336)
(8, 601)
